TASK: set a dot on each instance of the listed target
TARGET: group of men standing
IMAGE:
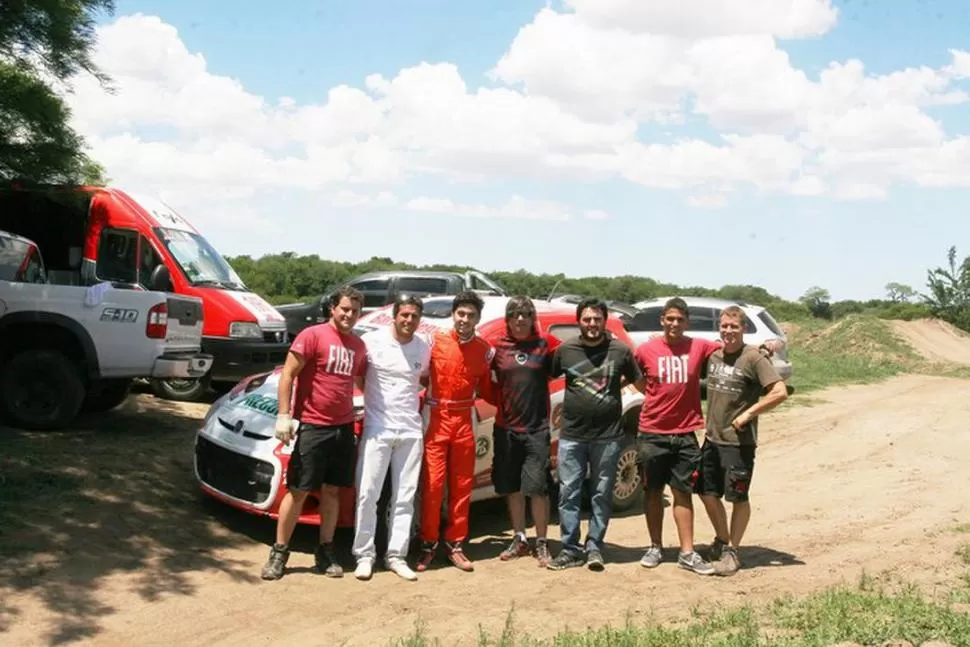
(436, 451)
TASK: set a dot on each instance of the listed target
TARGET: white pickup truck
(64, 348)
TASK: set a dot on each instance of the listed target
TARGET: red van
(139, 241)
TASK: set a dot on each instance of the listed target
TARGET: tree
(949, 291)
(818, 301)
(899, 292)
(43, 44)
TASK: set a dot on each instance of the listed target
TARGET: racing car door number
(123, 315)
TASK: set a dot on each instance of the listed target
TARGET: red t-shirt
(324, 393)
(673, 388)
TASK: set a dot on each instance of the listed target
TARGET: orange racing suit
(457, 371)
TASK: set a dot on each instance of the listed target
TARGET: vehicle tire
(41, 389)
(628, 487)
(181, 390)
(109, 395)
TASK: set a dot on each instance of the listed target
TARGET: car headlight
(245, 330)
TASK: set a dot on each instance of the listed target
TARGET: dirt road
(871, 479)
(935, 340)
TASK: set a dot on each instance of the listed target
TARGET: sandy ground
(873, 478)
(935, 340)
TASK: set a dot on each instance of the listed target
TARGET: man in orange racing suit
(460, 366)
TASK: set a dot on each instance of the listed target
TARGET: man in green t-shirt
(737, 375)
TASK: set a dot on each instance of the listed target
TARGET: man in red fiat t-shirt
(667, 444)
(325, 361)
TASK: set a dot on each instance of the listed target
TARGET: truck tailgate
(184, 323)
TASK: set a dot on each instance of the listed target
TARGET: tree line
(288, 277)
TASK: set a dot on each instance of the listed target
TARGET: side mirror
(161, 279)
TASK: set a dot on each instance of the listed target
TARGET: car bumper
(238, 358)
(182, 365)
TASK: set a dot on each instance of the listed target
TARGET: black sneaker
(717, 546)
(594, 561)
(565, 559)
(276, 564)
(325, 561)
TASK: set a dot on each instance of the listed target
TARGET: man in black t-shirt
(595, 365)
(520, 466)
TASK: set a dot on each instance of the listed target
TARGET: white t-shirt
(393, 382)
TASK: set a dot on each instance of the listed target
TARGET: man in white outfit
(393, 436)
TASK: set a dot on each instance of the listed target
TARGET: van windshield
(200, 262)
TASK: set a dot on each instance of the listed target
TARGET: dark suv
(380, 289)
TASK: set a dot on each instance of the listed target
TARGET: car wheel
(181, 390)
(628, 486)
(109, 395)
(41, 390)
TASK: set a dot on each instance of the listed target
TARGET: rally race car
(239, 461)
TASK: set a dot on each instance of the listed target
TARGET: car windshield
(12, 255)
(481, 282)
(200, 262)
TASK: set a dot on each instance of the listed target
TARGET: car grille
(275, 336)
(238, 476)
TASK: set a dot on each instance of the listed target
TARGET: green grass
(870, 613)
(858, 349)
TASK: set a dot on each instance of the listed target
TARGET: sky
(786, 144)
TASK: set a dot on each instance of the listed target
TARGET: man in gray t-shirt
(737, 375)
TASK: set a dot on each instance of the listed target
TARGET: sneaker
(693, 562)
(458, 557)
(517, 548)
(276, 564)
(652, 558)
(542, 552)
(325, 561)
(428, 550)
(399, 567)
(365, 569)
(594, 560)
(565, 559)
(728, 564)
(714, 553)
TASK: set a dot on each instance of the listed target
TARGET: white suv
(705, 316)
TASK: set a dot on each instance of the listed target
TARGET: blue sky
(786, 243)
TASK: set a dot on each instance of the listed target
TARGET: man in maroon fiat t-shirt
(324, 361)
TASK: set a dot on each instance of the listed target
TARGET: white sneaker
(401, 568)
(364, 570)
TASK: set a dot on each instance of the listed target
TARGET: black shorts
(520, 462)
(669, 459)
(726, 471)
(322, 456)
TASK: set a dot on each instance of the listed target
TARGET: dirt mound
(935, 340)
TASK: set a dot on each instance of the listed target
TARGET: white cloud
(708, 201)
(570, 98)
(517, 207)
(710, 18)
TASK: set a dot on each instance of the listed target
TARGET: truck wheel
(629, 484)
(41, 390)
(109, 395)
(181, 390)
